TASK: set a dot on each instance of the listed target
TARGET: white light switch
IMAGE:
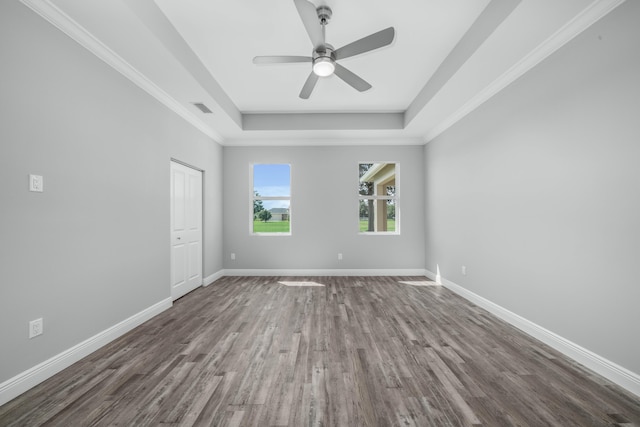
(36, 183)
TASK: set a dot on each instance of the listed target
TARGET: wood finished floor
(358, 351)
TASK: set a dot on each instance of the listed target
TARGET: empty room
(326, 212)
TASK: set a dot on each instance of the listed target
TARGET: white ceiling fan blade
(309, 85)
(309, 16)
(280, 59)
(351, 79)
(365, 44)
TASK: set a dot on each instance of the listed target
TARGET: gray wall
(93, 249)
(538, 193)
(324, 207)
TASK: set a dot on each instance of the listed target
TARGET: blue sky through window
(272, 180)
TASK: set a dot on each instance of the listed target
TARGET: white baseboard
(210, 279)
(33, 376)
(22, 382)
(326, 272)
(608, 369)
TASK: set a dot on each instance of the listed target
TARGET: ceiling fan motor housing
(325, 51)
(324, 60)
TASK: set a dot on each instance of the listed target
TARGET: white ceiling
(227, 40)
(448, 57)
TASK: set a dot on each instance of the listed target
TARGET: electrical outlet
(36, 327)
(339, 257)
(233, 256)
(36, 183)
(464, 270)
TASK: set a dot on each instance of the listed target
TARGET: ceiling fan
(323, 56)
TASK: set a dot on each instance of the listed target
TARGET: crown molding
(322, 121)
(322, 142)
(589, 16)
(493, 15)
(50, 12)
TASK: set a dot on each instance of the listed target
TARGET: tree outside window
(378, 197)
(271, 198)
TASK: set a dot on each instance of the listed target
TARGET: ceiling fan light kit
(323, 56)
(324, 63)
(323, 66)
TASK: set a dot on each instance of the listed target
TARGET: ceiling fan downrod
(323, 59)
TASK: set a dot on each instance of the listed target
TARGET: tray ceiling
(448, 57)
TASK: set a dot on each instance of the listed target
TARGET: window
(271, 197)
(378, 198)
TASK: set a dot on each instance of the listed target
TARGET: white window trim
(252, 198)
(396, 198)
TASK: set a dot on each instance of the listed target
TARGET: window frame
(253, 198)
(395, 198)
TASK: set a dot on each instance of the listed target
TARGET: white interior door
(186, 229)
